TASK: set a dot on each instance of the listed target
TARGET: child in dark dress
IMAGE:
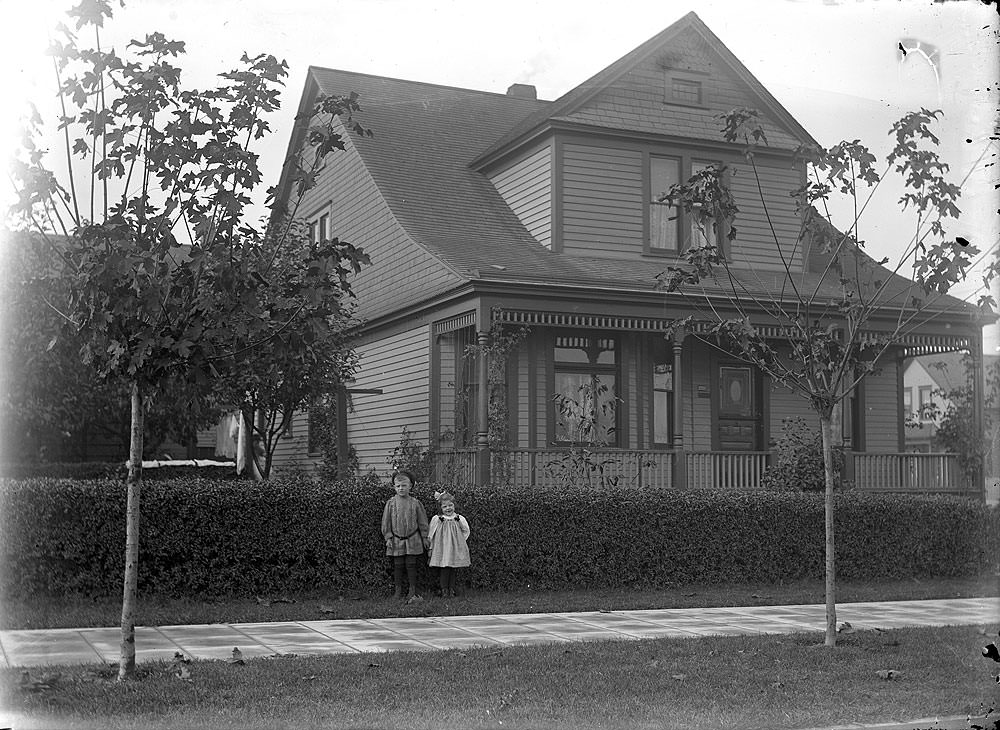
(404, 527)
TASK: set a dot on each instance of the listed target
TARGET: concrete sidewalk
(216, 641)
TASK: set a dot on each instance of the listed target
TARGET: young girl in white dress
(449, 549)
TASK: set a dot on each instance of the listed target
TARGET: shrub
(205, 537)
(798, 459)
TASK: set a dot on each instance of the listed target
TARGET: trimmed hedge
(209, 537)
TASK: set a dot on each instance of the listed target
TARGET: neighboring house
(926, 381)
(486, 212)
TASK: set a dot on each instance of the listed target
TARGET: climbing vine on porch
(503, 341)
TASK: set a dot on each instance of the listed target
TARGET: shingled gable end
(484, 210)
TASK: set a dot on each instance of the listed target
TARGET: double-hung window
(584, 403)
(671, 229)
(926, 403)
(319, 227)
(663, 393)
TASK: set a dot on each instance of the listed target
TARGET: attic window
(685, 91)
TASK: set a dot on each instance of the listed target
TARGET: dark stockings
(409, 563)
(447, 577)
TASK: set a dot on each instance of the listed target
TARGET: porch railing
(883, 472)
(726, 469)
(910, 472)
(538, 467)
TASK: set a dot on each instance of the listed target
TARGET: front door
(738, 419)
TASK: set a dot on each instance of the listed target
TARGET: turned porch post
(680, 463)
(482, 413)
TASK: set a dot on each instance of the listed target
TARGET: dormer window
(685, 91)
(671, 230)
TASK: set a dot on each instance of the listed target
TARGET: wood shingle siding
(639, 100)
(603, 205)
(400, 267)
(526, 186)
(399, 365)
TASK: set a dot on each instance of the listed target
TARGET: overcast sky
(834, 64)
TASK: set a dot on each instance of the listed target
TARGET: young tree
(307, 355)
(146, 217)
(53, 407)
(837, 325)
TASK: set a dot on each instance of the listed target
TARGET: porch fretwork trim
(451, 324)
(913, 343)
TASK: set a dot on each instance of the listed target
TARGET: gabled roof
(577, 97)
(427, 137)
(947, 369)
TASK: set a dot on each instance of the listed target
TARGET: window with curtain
(585, 382)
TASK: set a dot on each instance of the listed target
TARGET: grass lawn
(720, 682)
(82, 611)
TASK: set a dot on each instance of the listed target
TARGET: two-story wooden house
(484, 213)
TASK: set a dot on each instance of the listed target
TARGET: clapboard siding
(697, 411)
(755, 241)
(786, 403)
(292, 451)
(526, 186)
(602, 200)
(881, 413)
(399, 365)
(399, 266)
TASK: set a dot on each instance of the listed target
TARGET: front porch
(914, 473)
(514, 404)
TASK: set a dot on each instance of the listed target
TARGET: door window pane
(736, 392)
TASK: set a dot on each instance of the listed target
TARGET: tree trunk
(826, 427)
(251, 468)
(126, 665)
